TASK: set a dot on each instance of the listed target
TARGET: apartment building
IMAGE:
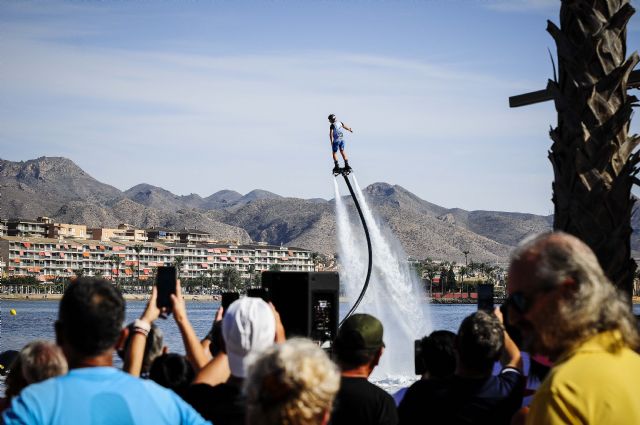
(65, 231)
(43, 227)
(158, 234)
(123, 232)
(27, 228)
(194, 236)
(49, 258)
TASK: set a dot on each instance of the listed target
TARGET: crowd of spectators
(579, 332)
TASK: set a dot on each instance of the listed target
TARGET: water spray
(366, 233)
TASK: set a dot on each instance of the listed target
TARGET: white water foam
(394, 295)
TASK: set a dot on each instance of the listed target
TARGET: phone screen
(166, 283)
(485, 297)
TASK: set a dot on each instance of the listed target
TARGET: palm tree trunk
(593, 163)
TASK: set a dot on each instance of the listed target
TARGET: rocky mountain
(161, 199)
(288, 221)
(222, 199)
(423, 227)
(60, 189)
(40, 186)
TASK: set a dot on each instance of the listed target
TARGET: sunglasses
(521, 302)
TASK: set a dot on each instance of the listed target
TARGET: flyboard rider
(336, 138)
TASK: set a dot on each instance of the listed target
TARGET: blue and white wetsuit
(338, 136)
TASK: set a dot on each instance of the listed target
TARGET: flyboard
(344, 172)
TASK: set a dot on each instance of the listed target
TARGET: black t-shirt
(360, 402)
(223, 404)
(464, 401)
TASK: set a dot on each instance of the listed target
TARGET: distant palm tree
(132, 268)
(211, 273)
(231, 276)
(115, 261)
(138, 249)
(431, 270)
(463, 271)
(178, 264)
(251, 271)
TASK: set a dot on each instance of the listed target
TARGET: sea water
(35, 319)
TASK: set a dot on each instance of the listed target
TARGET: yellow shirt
(596, 383)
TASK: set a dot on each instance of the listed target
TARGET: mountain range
(56, 187)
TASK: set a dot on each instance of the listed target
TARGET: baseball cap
(248, 326)
(360, 332)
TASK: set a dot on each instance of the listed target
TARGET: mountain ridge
(57, 187)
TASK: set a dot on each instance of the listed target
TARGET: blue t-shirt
(99, 396)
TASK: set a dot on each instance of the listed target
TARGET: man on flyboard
(336, 138)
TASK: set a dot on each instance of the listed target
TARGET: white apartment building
(49, 258)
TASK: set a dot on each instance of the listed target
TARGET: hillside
(59, 188)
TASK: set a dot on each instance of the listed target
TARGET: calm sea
(34, 320)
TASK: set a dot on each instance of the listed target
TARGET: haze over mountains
(58, 188)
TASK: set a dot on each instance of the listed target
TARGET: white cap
(248, 326)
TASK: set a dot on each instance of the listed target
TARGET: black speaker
(308, 302)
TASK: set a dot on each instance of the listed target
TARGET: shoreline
(127, 297)
(210, 298)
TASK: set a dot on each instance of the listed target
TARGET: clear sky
(200, 96)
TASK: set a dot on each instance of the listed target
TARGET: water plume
(394, 296)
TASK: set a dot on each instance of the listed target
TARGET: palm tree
(79, 272)
(132, 268)
(592, 154)
(463, 272)
(178, 264)
(431, 270)
(211, 272)
(315, 257)
(466, 253)
(115, 261)
(251, 271)
(138, 249)
(275, 268)
(231, 276)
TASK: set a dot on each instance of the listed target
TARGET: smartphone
(419, 367)
(227, 299)
(513, 331)
(258, 293)
(485, 297)
(166, 280)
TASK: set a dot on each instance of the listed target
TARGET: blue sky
(201, 96)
